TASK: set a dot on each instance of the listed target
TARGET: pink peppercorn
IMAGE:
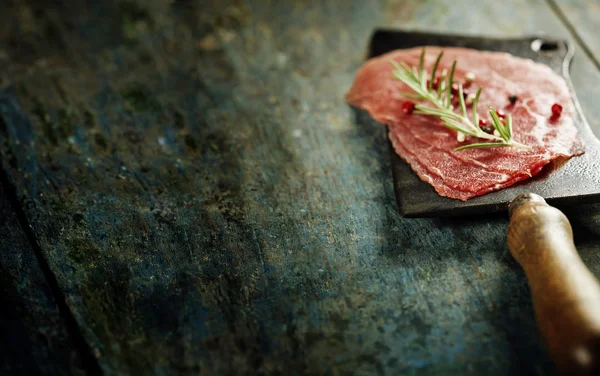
(408, 107)
(556, 110)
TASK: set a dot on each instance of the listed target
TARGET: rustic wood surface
(34, 336)
(583, 18)
(207, 203)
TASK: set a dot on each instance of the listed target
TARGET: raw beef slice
(429, 147)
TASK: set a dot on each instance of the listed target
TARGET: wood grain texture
(34, 336)
(584, 17)
(208, 203)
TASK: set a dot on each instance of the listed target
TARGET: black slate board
(575, 181)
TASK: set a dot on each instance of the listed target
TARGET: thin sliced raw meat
(461, 189)
(429, 147)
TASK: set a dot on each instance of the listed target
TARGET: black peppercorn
(512, 99)
(488, 129)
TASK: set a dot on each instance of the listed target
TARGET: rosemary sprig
(441, 99)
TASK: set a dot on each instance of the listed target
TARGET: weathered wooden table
(184, 191)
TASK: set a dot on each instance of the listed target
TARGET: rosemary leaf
(435, 112)
(440, 101)
(416, 73)
(457, 125)
(407, 78)
(452, 126)
(412, 95)
(402, 76)
(449, 88)
(509, 126)
(413, 85)
(435, 66)
(482, 145)
(475, 114)
(421, 63)
(407, 69)
(441, 84)
(498, 125)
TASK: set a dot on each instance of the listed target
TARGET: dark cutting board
(575, 181)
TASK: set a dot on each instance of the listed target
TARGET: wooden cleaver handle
(566, 295)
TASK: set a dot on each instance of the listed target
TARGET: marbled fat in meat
(429, 147)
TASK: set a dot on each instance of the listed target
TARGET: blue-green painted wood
(208, 203)
(35, 340)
